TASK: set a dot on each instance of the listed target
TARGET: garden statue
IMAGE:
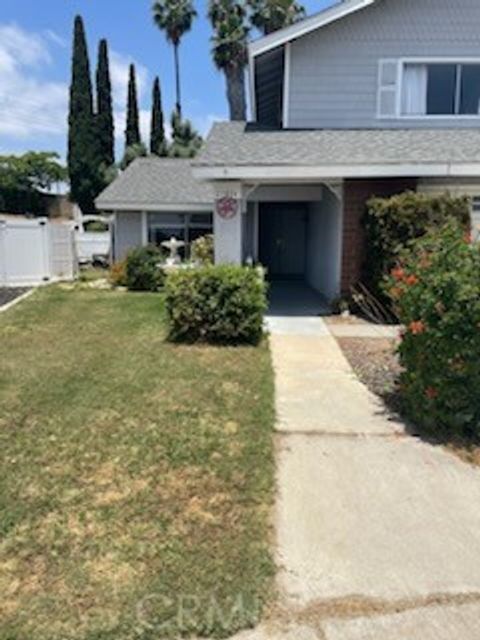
(173, 245)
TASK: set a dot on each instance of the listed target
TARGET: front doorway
(282, 239)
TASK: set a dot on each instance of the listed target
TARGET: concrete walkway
(378, 534)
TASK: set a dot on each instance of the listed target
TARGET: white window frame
(402, 62)
(475, 213)
(187, 222)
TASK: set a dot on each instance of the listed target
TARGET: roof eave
(301, 173)
(301, 28)
(190, 207)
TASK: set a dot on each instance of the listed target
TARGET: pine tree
(104, 117)
(186, 142)
(158, 144)
(82, 141)
(132, 132)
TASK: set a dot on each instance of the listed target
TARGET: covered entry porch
(294, 231)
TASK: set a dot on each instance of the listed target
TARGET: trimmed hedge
(436, 292)
(219, 304)
(142, 271)
(391, 223)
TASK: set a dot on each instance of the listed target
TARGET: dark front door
(282, 237)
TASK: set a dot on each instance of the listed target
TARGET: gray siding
(127, 233)
(334, 71)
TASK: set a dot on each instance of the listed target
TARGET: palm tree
(229, 50)
(175, 17)
(270, 15)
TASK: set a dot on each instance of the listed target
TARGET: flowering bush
(202, 250)
(391, 223)
(435, 288)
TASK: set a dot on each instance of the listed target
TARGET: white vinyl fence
(36, 251)
(92, 244)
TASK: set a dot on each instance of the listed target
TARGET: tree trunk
(177, 79)
(235, 77)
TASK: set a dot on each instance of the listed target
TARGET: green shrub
(223, 304)
(202, 250)
(142, 269)
(391, 223)
(436, 292)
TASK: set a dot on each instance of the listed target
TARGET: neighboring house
(155, 199)
(369, 97)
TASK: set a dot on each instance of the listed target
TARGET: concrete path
(378, 534)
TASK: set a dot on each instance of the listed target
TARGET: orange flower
(431, 393)
(411, 280)
(398, 273)
(417, 327)
(467, 236)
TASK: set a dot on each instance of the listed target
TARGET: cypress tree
(82, 144)
(157, 131)
(105, 126)
(132, 132)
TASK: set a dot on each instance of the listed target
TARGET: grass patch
(135, 475)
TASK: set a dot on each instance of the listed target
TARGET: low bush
(223, 304)
(118, 274)
(391, 223)
(202, 250)
(436, 293)
(142, 269)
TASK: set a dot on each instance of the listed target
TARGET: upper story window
(441, 89)
(429, 89)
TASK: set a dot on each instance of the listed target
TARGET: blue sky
(35, 50)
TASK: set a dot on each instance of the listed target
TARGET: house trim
(133, 207)
(286, 86)
(251, 78)
(322, 172)
(301, 28)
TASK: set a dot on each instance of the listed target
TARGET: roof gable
(312, 23)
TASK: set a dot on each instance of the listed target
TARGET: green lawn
(136, 476)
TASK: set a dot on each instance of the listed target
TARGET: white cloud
(31, 107)
(56, 38)
(119, 68)
(28, 106)
(34, 111)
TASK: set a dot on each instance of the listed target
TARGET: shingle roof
(238, 144)
(153, 182)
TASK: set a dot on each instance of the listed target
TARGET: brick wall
(355, 195)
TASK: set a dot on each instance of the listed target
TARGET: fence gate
(62, 251)
(35, 251)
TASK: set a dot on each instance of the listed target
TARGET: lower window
(186, 227)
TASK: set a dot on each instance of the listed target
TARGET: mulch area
(7, 294)
(374, 361)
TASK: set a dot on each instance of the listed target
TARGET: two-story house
(369, 97)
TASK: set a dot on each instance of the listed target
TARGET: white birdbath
(173, 245)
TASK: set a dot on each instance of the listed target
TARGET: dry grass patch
(134, 474)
